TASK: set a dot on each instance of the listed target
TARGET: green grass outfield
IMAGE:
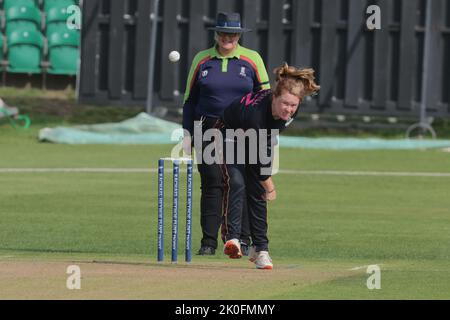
(326, 226)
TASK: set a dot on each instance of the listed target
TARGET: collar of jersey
(235, 54)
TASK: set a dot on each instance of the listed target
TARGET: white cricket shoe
(263, 261)
(233, 249)
(252, 254)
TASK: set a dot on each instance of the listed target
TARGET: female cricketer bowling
(248, 182)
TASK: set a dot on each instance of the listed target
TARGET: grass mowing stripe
(300, 172)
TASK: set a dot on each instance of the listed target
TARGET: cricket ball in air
(174, 56)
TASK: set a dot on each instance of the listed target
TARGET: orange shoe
(233, 249)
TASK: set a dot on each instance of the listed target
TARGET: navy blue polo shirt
(214, 82)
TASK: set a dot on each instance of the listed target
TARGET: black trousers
(246, 189)
(211, 200)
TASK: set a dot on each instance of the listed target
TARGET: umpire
(217, 77)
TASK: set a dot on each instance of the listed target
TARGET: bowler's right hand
(270, 196)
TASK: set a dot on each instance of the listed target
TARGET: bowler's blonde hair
(298, 82)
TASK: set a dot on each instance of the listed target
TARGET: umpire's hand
(187, 147)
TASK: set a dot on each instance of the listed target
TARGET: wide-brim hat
(229, 23)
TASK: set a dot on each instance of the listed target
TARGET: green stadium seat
(22, 17)
(56, 20)
(2, 55)
(48, 4)
(56, 27)
(25, 51)
(9, 3)
(63, 52)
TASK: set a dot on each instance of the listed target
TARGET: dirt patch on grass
(118, 280)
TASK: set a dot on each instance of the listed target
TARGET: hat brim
(230, 30)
